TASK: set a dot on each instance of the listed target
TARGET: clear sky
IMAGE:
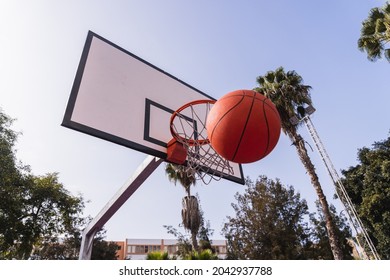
(216, 46)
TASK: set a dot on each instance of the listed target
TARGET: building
(121, 251)
(137, 249)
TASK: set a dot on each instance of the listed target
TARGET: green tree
(375, 33)
(368, 185)
(157, 256)
(68, 248)
(38, 216)
(103, 250)
(49, 211)
(319, 247)
(206, 254)
(205, 233)
(11, 179)
(190, 213)
(39, 211)
(287, 91)
(268, 223)
(183, 242)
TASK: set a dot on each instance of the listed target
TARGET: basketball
(243, 126)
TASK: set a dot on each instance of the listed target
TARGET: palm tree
(190, 213)
(288, 94)
(375, 33)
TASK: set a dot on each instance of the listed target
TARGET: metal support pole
(135, 181)
(342, 193)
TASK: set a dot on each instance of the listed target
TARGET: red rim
(191, 142)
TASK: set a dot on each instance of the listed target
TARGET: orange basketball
(243, 126)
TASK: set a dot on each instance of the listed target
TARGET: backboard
(122, 98)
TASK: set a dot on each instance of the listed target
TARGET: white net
(188, 126)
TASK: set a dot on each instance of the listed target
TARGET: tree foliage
(319, 241)
(368, 185)
(103, 250)
(375, 33)
(158, 256)
(271, 222)
(34, 209)
(68, 248)
(183, 242)
(39, 217)
(287, 91)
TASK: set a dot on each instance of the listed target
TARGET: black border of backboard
(150, 103)
(67, 122)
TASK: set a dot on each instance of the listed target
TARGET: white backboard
(122, 98)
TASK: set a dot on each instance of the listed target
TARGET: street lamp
(303, 112)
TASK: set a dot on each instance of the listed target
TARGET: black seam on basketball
(220, 119)
(243, 93)
(244, 128)
(266, 121)
(273, 108)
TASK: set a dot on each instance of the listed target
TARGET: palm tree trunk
(330, 226)
(195, 245)
(191, 218)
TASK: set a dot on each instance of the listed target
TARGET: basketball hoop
(190, 145)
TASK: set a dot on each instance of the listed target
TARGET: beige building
(137, 249)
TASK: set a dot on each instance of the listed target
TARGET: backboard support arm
(144, 170)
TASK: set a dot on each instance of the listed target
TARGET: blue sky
(215, 46)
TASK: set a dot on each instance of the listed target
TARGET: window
(172, 249)
(222, 249)
(130, 249)
(142, 249)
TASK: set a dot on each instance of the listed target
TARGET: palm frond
(178, 173)
(375, 14)
(387, 54)
(368, 28)
(375, 33)
(380, 26)
(287, 91)
(386, 8)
